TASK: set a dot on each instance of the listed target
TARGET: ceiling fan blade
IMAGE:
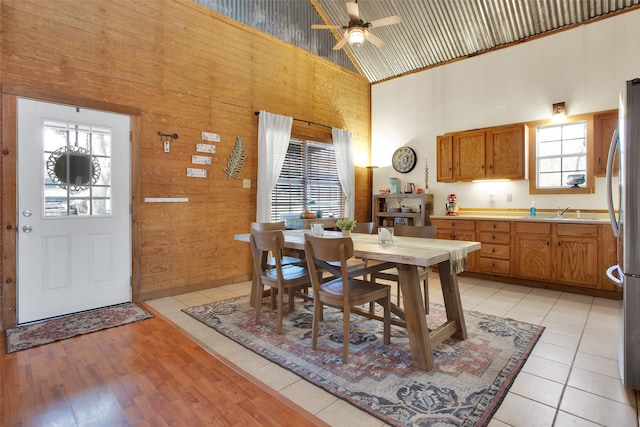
(341, 43)
(389, 20)
(375, 40)
(353, 11)
(325, 27)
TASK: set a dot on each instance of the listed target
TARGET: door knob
(27, 228)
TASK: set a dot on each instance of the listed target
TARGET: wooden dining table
(407, 254)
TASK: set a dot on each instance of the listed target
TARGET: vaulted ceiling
(432, 32)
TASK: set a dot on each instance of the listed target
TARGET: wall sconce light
(559, 113)
(167, 138)
(356, 36)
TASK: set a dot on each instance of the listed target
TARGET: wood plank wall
(187, 69)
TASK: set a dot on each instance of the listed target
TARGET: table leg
(421, 352)
(451, 296)
(253, 296)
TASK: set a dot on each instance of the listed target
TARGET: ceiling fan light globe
(356, 36)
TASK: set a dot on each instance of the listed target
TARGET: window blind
(308, 180)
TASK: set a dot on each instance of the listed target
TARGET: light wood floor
(143, 374)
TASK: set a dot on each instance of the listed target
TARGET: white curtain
(346, 169)
(274, 132)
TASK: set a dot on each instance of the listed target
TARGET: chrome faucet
(562, 211)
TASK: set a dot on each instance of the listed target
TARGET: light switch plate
(246, 183)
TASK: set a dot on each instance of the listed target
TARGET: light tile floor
(570, 379)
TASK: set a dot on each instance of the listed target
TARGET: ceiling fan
(357, 31)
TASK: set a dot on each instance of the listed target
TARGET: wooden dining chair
(279, 278)
(343, 291)
(269, 261)
(426, 231)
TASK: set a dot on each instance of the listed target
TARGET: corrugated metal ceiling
(432, 32)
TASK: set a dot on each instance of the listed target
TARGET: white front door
(74, 244)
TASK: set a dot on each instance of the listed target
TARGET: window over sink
(560, 156)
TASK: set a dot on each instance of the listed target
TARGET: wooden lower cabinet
(533, 250)
(562, 256)
(608, 249)
(495, 252)
(576, 254)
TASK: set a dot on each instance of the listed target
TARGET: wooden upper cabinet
(505, 152)
(444, 146)
(604, 124)
(469, 155)
(489, 153)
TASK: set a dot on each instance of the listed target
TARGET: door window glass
(77, 170)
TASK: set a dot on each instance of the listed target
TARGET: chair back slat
(321, 251)
(364, 227)
(268, 226)
(331, 249)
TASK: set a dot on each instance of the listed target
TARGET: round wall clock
(404, 159)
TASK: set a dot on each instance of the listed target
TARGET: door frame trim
(8, 171)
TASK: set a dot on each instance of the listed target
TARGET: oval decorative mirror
(73, 167)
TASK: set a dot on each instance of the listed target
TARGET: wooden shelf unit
(381, 203)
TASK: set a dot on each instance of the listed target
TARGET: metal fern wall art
(236, 160)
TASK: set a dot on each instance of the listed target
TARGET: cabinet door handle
(494, 226)
(493, 250)
(547, 243)
(493, 237)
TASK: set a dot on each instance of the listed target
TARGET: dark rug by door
(60, 328)
(469, 382)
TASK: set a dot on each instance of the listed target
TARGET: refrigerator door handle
(615, 278)
(613, 147)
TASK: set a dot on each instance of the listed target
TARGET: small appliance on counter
(395, 185)
(409, 187)
(452, 205)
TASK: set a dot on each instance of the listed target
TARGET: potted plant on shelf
(346, 225)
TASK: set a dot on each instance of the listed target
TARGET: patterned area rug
(60, 328)
(469, 382)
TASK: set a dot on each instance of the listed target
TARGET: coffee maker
(452, 205)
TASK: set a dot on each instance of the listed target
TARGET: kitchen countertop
(569, 217)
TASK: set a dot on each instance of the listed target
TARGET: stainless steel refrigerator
(625, 221)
